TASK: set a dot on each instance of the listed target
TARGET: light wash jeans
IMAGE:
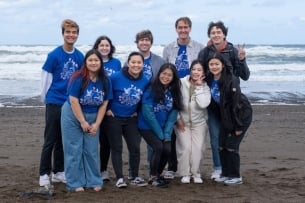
(214, 131)
(81, 155)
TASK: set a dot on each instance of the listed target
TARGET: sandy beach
(272, 163)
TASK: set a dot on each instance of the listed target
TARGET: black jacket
(230, 54)
(234, 110)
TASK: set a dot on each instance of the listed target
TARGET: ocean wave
(255, 53)
(275, 69)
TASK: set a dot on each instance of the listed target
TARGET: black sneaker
(151, 180)
(138, 181)
(159, 183)
(166, 181)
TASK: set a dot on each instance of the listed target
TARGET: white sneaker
(44, 180)
(169, 175)
(59, 177)
(186, 179)
(234, 181)
(221, 179)
(105, 176)
(216, 174)
(121, 183)
(197, 180)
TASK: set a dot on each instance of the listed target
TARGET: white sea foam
(273, 67)
(269, 50)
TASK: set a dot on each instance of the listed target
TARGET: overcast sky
(249, 21)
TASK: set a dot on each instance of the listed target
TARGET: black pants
(160, 154)
(173, 162)
(52, 142)
(229, 148)
(104, 149)
(229, 154)
(115, 127)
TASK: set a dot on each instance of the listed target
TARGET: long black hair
(174, 87)
(225, 73)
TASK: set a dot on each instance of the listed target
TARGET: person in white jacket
(191, 127)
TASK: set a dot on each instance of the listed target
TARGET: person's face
(135, 65)
(93, 63)
(183, 29)
(70, 35)
(197, 72)
(104, 47)
(166, 76)
(215, 67)
(144, 44)
(216, 35)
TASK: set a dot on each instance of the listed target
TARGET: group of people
(173, 102)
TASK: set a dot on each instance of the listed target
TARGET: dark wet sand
(272, 163)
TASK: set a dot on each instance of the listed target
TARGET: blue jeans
(214, 131)
(80, 151)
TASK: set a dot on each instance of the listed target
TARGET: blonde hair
(68, 23)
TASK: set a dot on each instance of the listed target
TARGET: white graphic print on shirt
(131, 96)
(69, 68)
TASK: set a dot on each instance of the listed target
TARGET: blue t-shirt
(182, 63)
(147, 69)
(161, 110)
(215, 93)
(127, 94)
(61, 65)
(112, 66)
(92, 96)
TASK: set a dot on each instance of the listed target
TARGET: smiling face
(93, 63)
(104, 48)
(70, 35)
(144, 45)
(216, 67)
(216, 35)
(197, 72)
(183, 30)
(166, 76)
(135, 65)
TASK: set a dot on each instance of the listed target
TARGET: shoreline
(21, 102)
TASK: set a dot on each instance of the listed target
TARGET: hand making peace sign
(241, 52)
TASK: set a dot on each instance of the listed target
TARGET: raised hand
(241, 52)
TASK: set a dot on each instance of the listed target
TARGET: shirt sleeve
(46, 81)
(151, 120)
(168, 128)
